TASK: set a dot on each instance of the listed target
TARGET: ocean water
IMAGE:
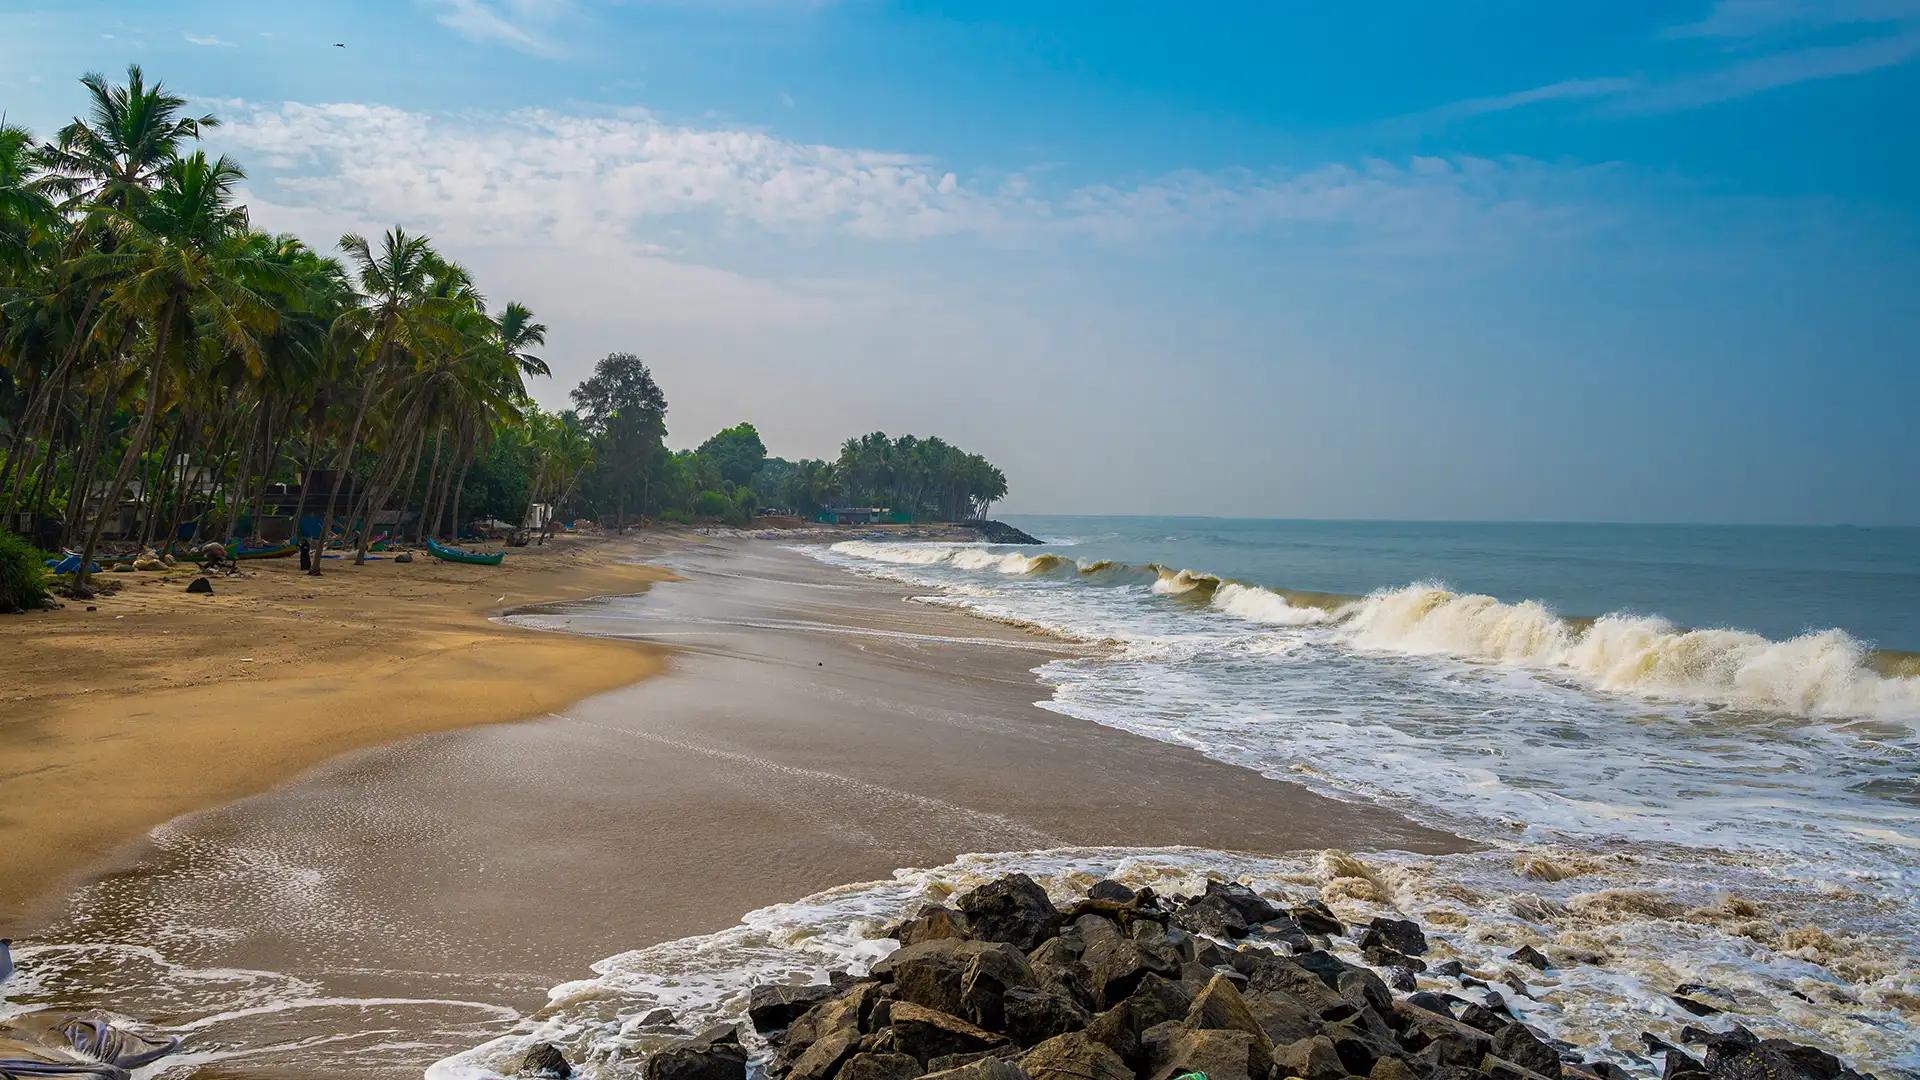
(1688, 749)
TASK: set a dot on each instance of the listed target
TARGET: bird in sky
(339, 44)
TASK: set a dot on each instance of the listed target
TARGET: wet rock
(1013, 909)
(1530, 956)
(1400, 935)
(773, 1007)
(1450, 969)
(1401, 979)
(715, 1055)
(823, 1057)
(1739, 1055)
(989, 975)
(545, 1060)
(1380, 956)
(662, 1017)
(1282, 986)
(1701, 1000)
(1118, 1029)
(937, 973)
(1317, 918)
(880, 1066)
(1074, 1056)
(1438, 1041)
(1390, 1068)
(1109, 889)
(1519, 1045)
(1033, 1016)
(1364, 990)
(1115, 965)
(1215, 919)
(1310, 1058)
(1359, 1045)
(1431, 1002)
(1283, 931)
(930, 923)
(1156, 1000)
(929, 1033)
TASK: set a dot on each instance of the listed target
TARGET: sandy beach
(813, 729)
(157, 702)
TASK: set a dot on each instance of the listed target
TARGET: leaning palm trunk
(346, 463)
(380, 502)
(135, 447)
(433, 494)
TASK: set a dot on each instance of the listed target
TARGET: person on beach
(306, 555)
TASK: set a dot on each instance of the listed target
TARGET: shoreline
(160, 704)
(814, 730)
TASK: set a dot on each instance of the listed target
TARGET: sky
(1514, 261)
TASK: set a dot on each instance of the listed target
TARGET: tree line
(164, 362)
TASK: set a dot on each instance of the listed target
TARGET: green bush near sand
(23, 574)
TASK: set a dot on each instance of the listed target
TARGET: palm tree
(180, 264)
(115, 159)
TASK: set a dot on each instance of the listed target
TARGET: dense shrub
(675, 517)
(23, 574)
(712, 505)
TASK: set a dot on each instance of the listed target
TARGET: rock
(1438, 1040)
(1516, 1043)
(1220, 1006)
(1282, 979)
(1431, 1002)
(1118, 1029)
(1285, 931)
(1156, 1000)
(1109, 889)
(928, 1033)
(1317, 918)
(659, 1018)
(1013, 909)
(954, 1061)
(823, 1056)
(1251, 905)
(1402, 979)
(999, 532)
(930, 923)
(772, 1008)
(545, 1060)
(1216, 1054)
(712, 1056)
(880, 1066)
(1311, 1058)
(1400, 935)
(1074, 1056)
(1033, 1016)
(1212, 917)
(986, 1068)
(1379, 956)
(1390, 1068)
(848, 1012)
(1363, 989)
(938, 973)
(989, 975)
(200, 585)
(1359, 1046)
(1115, 965)
(404, 557)
(1739, 1055)
(1530, 956)
(1701, 1000)
(1450, 969)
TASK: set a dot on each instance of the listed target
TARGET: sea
(1689, 757)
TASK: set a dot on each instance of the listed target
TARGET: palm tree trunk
(306, 474)
(135, 447)
(433, 494)
(340, 474)
(411, 454)
(459, 487)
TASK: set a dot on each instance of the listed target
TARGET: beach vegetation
(23, 574)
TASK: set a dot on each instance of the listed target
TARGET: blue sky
(1497, 260)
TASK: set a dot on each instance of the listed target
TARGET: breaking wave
(1825, 674)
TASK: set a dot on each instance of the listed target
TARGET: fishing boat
(454, 554)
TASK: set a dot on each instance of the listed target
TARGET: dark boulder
(930, 923)
(880, 1065)
(773, 1007)
(1283, 931)
(823, 1057)
(1013, 909)
(939, 973)
(1074, 1056)
(1220, 1006)
(983, 1068)
(1400, 935)
(1431, 1002)
(1450, 969)
(1251, 905)
(1530, 956)
(714, 1055)
(999, 532)
(1031, 1015)
(929, 1033)
(545, 1060)
(1401, 979)
(1109, 889)
(1115, 965)
(1317, 918)
(1310, 1058)
(1391, 1068)
(1518, 1044)
(200, 585)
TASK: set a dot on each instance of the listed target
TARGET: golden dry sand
(161, 702)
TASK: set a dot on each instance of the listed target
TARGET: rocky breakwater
(1126, 985)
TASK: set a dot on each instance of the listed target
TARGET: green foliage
(23, 574)
(736, 452)
(712, 506)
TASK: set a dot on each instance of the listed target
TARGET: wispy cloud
(1779, 69)
(1753, 18)
(207, 41)
(1565, 90)
(541, 176)
(522, 25)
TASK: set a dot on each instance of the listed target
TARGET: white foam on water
(1625, 911)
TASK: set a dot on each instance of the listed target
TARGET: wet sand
(160, 702)
(813, 729)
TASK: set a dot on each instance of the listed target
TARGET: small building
(852, 515)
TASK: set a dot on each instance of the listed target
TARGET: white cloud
(1565, 90)
(1752, 18)
(1775, 70)
(555, 176)
(206, 41)
(517, 24)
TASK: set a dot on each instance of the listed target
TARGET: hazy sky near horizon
(1620, 261)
